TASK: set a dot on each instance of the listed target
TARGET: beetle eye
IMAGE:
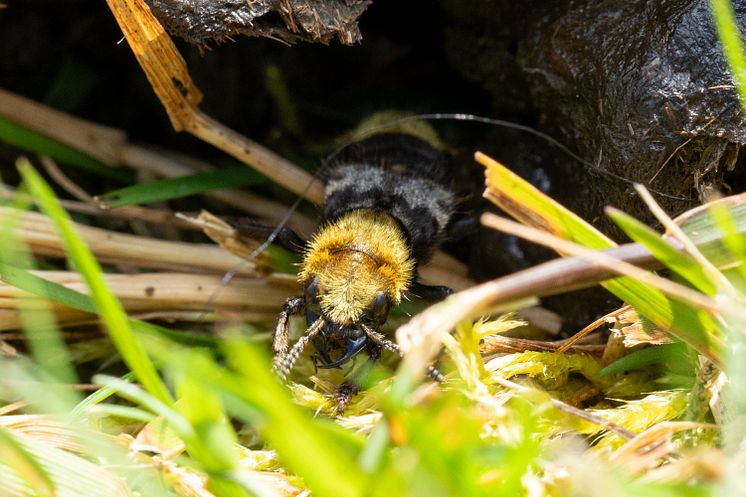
(311, 291)
(381, 307)
(310, 295)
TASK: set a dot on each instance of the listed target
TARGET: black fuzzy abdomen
(398, 174)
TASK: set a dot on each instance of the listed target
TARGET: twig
(570, 342)
(676, 150)
(50, 166)
(493, 344)
(601, 258)
(650, 181)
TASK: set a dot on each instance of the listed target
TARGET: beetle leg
(280, 340)
(344, 394)
(347, 390)
(284, 364)
(280, 235)
(434, 293)
(461, 228)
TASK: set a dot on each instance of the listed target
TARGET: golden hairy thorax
(355, 257)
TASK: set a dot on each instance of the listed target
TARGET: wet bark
(204, 22)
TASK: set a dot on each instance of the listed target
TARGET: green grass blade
(137, 395)
(96, 398)
(124, 412)
(39, 322)
(24, 379)
(198, 419)
(23, 138)
(72, 84)
(645, 357)
(200, 423)
(731, 41)
(75, 475)
(530, 206)
(202, 407)
(733, 239)
(680, 262)
(29, 282)
(109, 308)
(706, 232)
(172, 188)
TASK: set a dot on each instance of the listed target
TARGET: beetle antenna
(380, 339)
(446, 116)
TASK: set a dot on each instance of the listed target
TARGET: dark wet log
(640, 89)
(203, 22)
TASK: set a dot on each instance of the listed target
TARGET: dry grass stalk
(542, 318)
(111, 147)
(54, 171)
(628, 324)
(675, 231)
(731, 200)
(443, 269)
(53, 446)
(133, 212)
(422, 337)
(38, 232)
(51, 431)
(227, 237)
(7, 350)
(620, 267)
(617, 265)
(498, 196)
(498, 344)
(590, 328)
(710, 466)
(100, 142)
(258, 298)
